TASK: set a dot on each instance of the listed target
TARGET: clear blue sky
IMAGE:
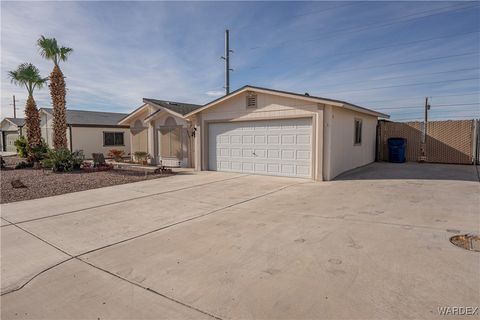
(382, 55)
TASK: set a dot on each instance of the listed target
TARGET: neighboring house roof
(177, 107)
(84, 117)
(19, 122)
(338, 103)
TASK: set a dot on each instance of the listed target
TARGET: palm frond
(48, 48)
(27, 75)
(64, 53)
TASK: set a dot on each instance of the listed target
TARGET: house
(160, 128)
(11, 129)
(89, 131)
(258, 131)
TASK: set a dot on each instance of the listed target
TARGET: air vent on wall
(251, 100)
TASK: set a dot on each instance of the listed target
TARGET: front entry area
(269, 147)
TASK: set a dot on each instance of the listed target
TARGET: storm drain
(467, 241)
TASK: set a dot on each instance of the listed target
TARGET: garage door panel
(10, 138)
(274, 147)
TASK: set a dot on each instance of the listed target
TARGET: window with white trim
(358, 132)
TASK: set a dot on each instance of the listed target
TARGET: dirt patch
(45, 183)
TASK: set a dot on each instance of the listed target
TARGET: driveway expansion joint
(123, 201)
(78, 257)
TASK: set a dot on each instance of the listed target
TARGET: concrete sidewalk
(220, 245)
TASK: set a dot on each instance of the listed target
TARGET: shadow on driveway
(411, 170)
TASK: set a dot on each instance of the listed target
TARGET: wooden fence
(451, 141)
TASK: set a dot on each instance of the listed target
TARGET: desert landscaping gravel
(45, 183)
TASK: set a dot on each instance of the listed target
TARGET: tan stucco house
(258, 131)
(10, 129)
(89, 131)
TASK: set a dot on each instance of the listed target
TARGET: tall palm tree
(50, 50)
(28, 75)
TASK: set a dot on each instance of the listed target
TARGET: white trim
(16, 125)
(166, 109)
(290, 95)
(141, 108)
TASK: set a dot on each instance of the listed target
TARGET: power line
(418, 97)
(437, 116)
(437, 112)
(294, 16)
(403, 76)
(409, 61)
(381, 25)
(403, 44)
(398, 20)
(321, 11)
(407, 85)
(433, 106)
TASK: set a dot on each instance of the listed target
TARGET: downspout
(71, 138)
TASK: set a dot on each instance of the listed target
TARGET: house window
(111, 139)
(358, 132)
(251, 100)
(171, 140)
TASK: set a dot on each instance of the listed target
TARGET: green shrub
(22, 146)
(32, 154)
(141, 156)
(38, 153)
(63, 160)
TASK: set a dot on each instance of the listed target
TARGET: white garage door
(272, 147)
(10, 138)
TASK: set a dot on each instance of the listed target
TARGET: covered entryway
(270, 147)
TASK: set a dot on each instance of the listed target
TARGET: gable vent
(251, 100)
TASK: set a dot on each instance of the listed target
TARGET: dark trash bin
(397, 149)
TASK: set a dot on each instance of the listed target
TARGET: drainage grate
(467, 241)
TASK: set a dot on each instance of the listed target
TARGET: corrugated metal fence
(451, 141)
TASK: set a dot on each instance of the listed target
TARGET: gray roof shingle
(19, 122)
(178, 107)
(83, 117)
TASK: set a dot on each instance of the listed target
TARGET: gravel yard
(44, 183)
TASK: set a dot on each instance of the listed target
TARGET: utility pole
(14, 107)
(423, 156)
(227, 62)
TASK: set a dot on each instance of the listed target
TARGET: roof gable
(333, 102)
(179, 108)
(19, 122)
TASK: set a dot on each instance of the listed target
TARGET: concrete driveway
(372, 244)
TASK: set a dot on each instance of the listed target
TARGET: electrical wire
(381, 25)
(419, 97)
(403, 76)
(407, 85)
(433, 106)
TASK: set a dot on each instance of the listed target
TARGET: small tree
(28, 75)
(50, 50)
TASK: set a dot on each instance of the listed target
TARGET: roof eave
(292, 95)
(124, 121)
(366, 111)
(163, 108)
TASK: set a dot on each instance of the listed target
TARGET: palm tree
(29, 76)
(50, 50)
